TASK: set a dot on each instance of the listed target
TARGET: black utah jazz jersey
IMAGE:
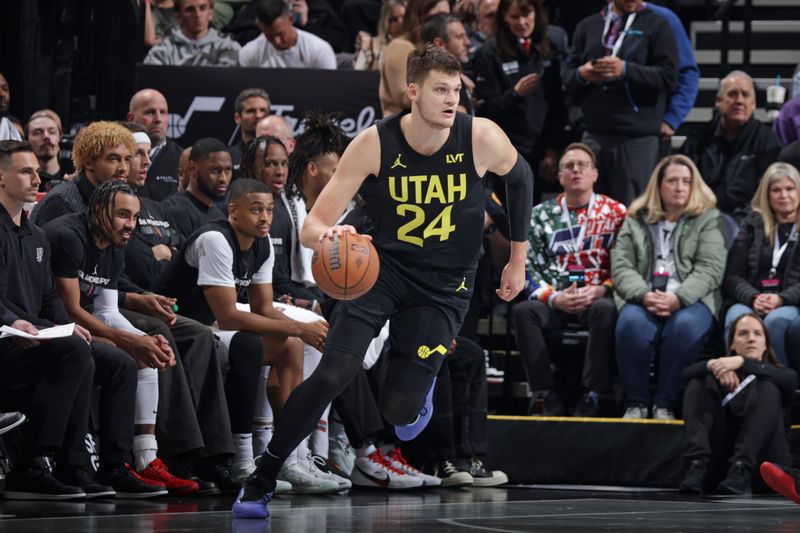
(427, 210)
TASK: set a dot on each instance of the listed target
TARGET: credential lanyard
(607, 28)
(665, 238)
(777, 251)
(576, 242)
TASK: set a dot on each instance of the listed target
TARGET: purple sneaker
(413, 429)
(252, 500)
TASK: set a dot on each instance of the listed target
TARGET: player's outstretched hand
(336, 231)
(511, 282)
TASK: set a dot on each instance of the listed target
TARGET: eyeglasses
(575, 165)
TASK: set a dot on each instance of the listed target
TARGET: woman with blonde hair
(763, 272)
(667, 267)
(392, 88)
(369, 48)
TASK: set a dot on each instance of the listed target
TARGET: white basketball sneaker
(376, 472)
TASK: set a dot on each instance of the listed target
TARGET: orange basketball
(346, 267)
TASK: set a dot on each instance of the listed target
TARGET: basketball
(346, 267)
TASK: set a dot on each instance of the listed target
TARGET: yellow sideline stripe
(585, 419)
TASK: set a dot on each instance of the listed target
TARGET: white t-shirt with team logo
(212, 256)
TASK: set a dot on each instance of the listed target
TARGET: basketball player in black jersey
(419, 173)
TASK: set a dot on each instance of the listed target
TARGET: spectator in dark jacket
(763, 274)
(623, 68)
(734, 149)
(518, 83)
(715, 413)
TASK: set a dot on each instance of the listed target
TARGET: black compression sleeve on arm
(519, 195)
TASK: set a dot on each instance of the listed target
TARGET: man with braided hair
(88, 261)
(419, 173)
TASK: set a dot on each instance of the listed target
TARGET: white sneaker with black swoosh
(376, 472)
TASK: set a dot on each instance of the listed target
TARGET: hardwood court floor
(505, 510)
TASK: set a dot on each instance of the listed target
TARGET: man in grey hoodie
(193, 42)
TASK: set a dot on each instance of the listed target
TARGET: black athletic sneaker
(37, 483)
(737, 480)
(695, 477)
(486, 478)
(218, 474)
(183, 468)
(79, 477)
(128, 484)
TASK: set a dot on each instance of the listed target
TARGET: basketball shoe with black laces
(36, 482)
(80, 477)
(128, 484)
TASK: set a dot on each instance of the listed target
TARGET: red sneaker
(157, 471)
(781, 480)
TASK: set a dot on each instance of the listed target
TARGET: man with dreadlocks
(88, 261)
(420, 174)
(52, 380)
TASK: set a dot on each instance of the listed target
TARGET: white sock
(146, 397)
(145, 449)
(302, 449)
(366, 450)
(242, 448)
(262, 420)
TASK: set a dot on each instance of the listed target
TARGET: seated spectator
(155, 240)
(392, 88)
(163, 15)
(228, 260)
(623, 89)
(88, 264)
(667, 267)
(281, 45)
(148, 107)
(369, 48)
(313, 162)
(7, 129)
(210, 168)
(446, 31)
(518, 84)
(102, 152)
(250, 107)
(44, 134)
(277, 126)
(718, 415)
(52, 381)
(734, 149)
(763, 272)
(193, 42)
(569, 266)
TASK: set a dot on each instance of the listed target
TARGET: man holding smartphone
(570, 280)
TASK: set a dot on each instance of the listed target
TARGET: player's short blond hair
(96, 137)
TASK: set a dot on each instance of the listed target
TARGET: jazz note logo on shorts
(424, 352)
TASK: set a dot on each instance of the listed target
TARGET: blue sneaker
(413, 429)
(252, 500)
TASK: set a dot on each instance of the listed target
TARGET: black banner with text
(201, 99)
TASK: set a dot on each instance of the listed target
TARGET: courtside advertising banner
(201, 99)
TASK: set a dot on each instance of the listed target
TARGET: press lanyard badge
(773, 283)
(661, 274)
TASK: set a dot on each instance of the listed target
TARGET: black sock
(267, 471)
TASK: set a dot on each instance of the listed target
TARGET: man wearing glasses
(569, 272)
